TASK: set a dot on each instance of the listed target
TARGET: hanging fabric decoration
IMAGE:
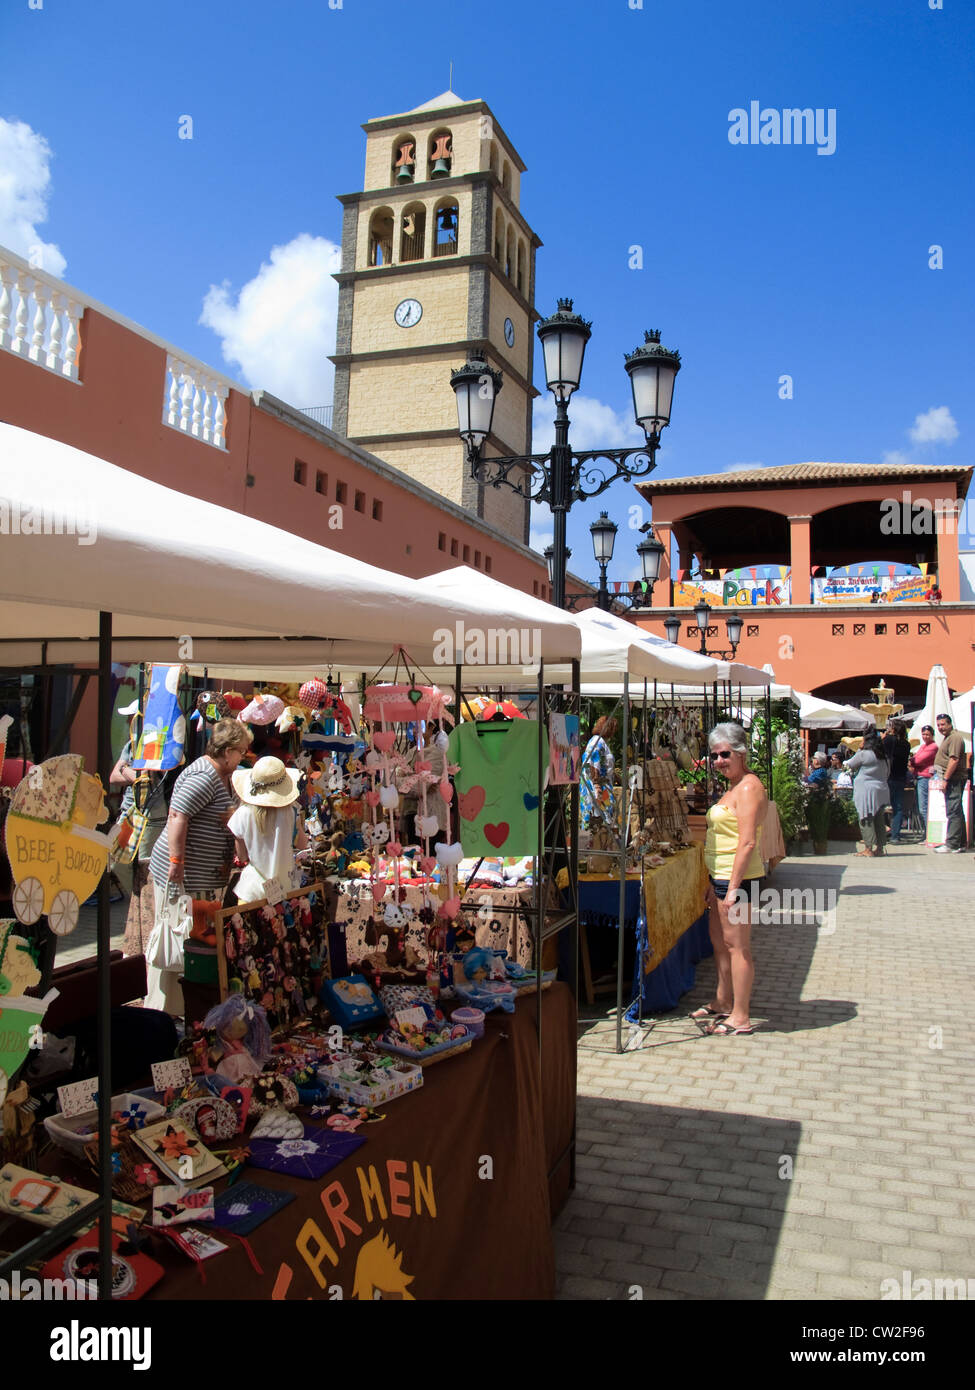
(163, 727)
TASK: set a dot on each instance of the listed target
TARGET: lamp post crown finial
(651, 335)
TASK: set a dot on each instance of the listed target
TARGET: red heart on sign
(427, 862)
(449, 909)
(395, 848)
(446, 791)
(371, 798)
(384, 739)
(471, 803)
(378, 892)
(497, 834)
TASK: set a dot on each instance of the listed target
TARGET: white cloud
(897, 457)
(282, 325)
(25, 178)
(593, 424)
(936, 426)
(740, 467)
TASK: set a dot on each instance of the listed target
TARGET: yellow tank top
(721, 845)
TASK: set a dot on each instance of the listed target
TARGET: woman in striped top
(195, 851)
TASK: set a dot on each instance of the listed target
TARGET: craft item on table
(36, 1197)
(243, 1038)
(172, 1206)
(174, 1073)
(241, 1209)
(350, 1001)
(475, 981)
(497, 784)
(423, 1034)
(211, 1117)
(204, 921)
(312, 1156)
(470, 1019)
(240, 1098)
(76, 1123)
(133, 1176)
(271, 1090)
(133, 1273)
(56, 855)
(278, 1123)
(199, 1245)
(179, 1153)
(368, 1078)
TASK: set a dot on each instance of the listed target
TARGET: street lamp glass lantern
(672, 629)
(563, 338)
(549, 553)
(603, 534)
(475, 386)
(652, 370)
(651, 553)
(702, 614)
(733, 627)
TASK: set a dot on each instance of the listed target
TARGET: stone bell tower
(437, 262)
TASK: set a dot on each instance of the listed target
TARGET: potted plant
(818, 812)
(844, 823)
(788, 795)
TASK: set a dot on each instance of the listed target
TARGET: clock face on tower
(509, 332)
(408, 312)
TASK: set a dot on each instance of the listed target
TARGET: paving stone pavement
(828, 1152)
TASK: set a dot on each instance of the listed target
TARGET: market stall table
(677, 928)
(456, 1178)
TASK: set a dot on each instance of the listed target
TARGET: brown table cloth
(456, 1178)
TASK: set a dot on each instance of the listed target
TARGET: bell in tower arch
(406, 164)
(441, 158)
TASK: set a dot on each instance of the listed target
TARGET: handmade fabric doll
(243, 1039)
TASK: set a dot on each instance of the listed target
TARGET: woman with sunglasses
(734, 860)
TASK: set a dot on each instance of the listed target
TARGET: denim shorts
(720, 886)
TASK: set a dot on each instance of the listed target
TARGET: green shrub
(788, 795)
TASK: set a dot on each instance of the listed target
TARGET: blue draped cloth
(674, 975)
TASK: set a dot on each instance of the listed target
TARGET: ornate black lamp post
(562, 476)
(702, 616)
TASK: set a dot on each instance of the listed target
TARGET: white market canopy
(79, 536)
(817, 713)
(611, 646)
(937, 700)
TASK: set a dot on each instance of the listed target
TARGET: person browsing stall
(194, 853)
(870, 794)
(922, 764)
(734, 861)
(950, 768)
(267, 827)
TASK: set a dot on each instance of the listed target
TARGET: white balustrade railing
(38, 320)
(195, 401)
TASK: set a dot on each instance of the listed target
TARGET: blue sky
(759, 260)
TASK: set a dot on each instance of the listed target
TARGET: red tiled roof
(801, 474)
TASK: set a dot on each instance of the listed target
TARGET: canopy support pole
(104, 939)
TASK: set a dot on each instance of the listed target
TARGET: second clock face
(509, 332)
(408, 312)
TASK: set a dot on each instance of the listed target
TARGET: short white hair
(731, 734)
(820, 758)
